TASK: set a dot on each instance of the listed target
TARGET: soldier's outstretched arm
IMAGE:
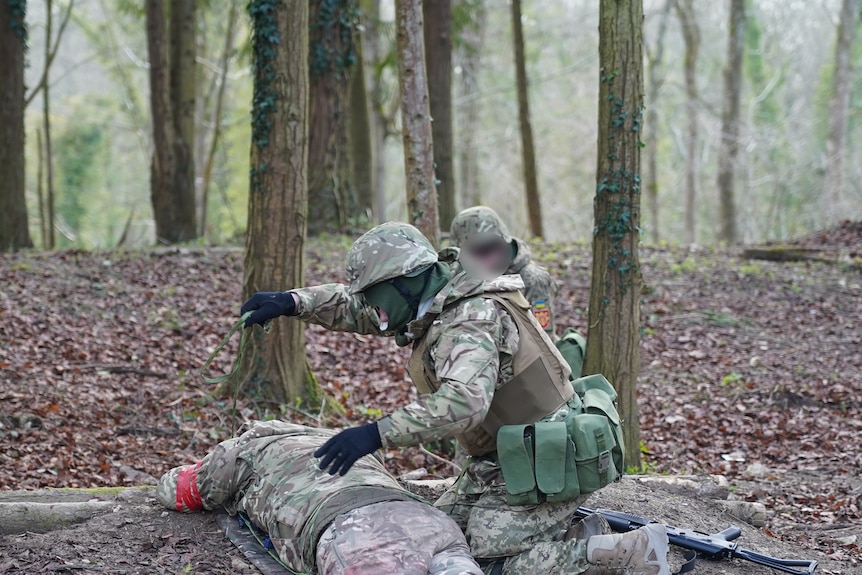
(331, 306)
(328, 305)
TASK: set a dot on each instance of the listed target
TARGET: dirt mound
(846, 235)
(133, 534)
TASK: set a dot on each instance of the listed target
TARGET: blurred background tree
(789, 105)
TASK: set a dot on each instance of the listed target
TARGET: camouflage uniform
(540, 289)
(471, 342)
(319, 523)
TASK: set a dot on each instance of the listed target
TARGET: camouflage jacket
(540, 289)
(269, 472)
(471, 342)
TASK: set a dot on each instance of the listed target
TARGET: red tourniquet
(188, 496)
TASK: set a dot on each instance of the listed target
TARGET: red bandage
(188, 496)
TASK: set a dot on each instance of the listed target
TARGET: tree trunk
(40, 190)
(14, 233)
(834, 202)
(730, 122)
(46, 126)
(163, 167)
(528, 153)
(183, 92)
(437, 15)
(691, 35)
(472, 40)
(654, 84)
(275, 365)
(216, 119)
(614, 315)
(361, 156)
(331, 54)
(373, 56)
(416, 120)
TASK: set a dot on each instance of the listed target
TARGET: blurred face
(486, 258)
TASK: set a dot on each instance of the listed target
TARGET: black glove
(344, 449)
(267, 305)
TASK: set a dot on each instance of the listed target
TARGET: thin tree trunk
(730, 122)
(360, 148)
(416, 120)
(331, 54)
(614, 315)
(528, 153)
(378, 120)
(833, 197)
(691, 35)
(14, 232)
(224, 64)
(654, 84)
(183, 92)
(472, 40)
(50, 52)
(46, 126)
(40, 190)
(437, 29)
(276, 367)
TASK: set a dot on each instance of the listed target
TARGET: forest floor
(750, 369)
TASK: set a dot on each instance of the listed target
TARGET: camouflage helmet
(478, 221)
(387, 251)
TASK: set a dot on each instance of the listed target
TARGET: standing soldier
(481, 364)
(482, 236)
(318, 522)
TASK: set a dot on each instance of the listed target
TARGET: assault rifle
(713, 546)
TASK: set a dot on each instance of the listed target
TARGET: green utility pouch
(516, 456)
(560, 460)
(573, 346)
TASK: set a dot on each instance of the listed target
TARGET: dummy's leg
(394, 538)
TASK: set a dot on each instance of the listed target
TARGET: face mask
(400, 297)
(383, 295)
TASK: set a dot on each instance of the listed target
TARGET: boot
(639, 552)
(593, 524)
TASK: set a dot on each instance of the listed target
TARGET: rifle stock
(714, 546)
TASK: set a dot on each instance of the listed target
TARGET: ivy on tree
(265, 39)
(17, 19)
(618, 188)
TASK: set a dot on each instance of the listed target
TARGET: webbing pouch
(572, 346)
(556, 470)
(598, 403)
(517, 460)
(551, 440)
(594, 441)
(594, 382)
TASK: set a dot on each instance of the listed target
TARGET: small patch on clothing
(542, 313)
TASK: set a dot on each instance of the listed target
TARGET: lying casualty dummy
(362, 522)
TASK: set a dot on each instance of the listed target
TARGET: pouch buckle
(604, 461)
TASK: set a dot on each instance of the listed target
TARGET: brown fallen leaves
(750, 369)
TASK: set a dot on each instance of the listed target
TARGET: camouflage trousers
(529, 538)
(394, 538)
